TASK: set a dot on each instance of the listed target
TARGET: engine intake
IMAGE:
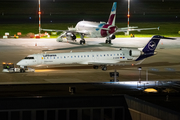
(112, 36)
(134, 53)
(70, 36)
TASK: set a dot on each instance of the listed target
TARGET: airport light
(128, 16)
(139, 68)
(39, 19)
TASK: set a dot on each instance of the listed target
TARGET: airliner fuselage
(96, 29)
(98, 58)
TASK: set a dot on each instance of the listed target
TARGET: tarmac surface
(163, 66)
(163, 69)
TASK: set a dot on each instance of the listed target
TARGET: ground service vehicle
(9, 67)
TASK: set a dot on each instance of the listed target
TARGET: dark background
(68, 11)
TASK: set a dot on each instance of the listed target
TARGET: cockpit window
(29, 58)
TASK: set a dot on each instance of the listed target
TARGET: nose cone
(20, 63)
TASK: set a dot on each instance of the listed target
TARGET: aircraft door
(39, 59)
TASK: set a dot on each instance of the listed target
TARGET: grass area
(166, 29)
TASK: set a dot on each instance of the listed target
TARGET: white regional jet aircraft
(96, 29)
(97, 58)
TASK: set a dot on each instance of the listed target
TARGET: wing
(134, 29)
(72, 30)
(143, 29)
(132, 63)
(53, 30)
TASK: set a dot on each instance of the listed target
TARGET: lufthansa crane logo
(152, 45)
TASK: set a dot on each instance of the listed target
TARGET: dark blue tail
(148, 50)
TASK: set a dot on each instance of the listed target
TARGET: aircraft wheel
(95, 67)
(106, 41)
(84, 41)
(22, 70)
(109, 41)
(104, 68)
(80, 41)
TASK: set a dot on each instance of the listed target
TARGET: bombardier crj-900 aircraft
(95, 29)
(95, 58)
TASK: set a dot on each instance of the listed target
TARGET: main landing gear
(82, 41)
(103, 67)
(108, 41)
(109, 38)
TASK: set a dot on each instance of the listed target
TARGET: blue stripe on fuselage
(100, 26)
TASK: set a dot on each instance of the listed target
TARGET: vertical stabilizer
(150, 47)
(112, 16)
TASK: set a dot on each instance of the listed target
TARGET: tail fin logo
(152, 45)
(114, 7)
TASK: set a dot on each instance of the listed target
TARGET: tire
(84, 42)
(95, 67)
(104, 68)
(106, 41)
(109, 41)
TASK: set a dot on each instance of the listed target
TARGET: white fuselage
(99, 57)
(93, 29)
(89, 27)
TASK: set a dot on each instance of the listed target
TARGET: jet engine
(112, 36)
(59, 39)
(70, 36)
(134, 53)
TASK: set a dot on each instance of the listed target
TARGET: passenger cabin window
(29, 58)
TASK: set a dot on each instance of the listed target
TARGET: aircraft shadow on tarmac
(88, 46)
(150, 65)
(76, 47)
(158, 64)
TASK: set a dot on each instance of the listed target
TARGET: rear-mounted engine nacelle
(70, 36)
(134, 53)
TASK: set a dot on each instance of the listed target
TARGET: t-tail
(112, 17)
(149, 49)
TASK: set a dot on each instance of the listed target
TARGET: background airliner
(97, 58)
(96, 29)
